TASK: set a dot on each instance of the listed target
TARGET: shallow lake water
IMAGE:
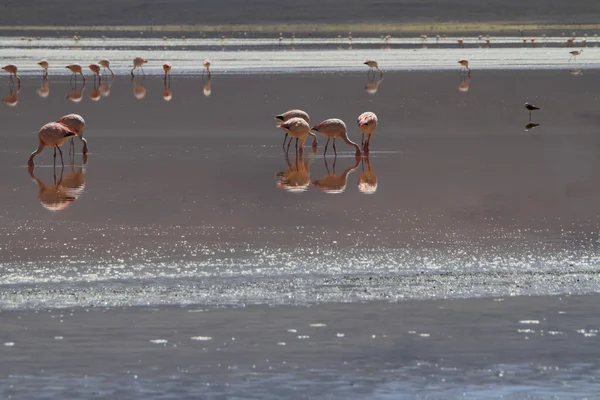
(189, 201)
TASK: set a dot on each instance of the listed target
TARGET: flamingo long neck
(346, 139)
(35, 153)
(315, 141)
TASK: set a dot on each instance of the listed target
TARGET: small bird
(373, 64)
(367, 123)
(461, 43)
(53, 134)
(335, 128)
(76, 69)
(12, 70)
(464, 64)
(105, 64)
(76, 124)
(530, 108)
(206, 65)
(574, 54)
(297, 128)
(167, 68)
(44, 65)
(95, 68)
(138, 62)
(296, 114)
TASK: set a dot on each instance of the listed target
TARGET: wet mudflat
(191, 201)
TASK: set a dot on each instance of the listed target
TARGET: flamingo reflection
(373, 85)
(63, 191)
(206, 89)
(13, 97)
(296, 178)
(139, 91)
(167, 95)
(105, 88)
(465, 80)
(44, 90)
(76, 94)
(367, 180)
(335, 183)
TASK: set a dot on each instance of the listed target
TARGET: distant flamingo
(296, 114)
(95, 68)
(373, 64)
(44, 64)
(296, 128)
(53, 134)
(464, 64)
(138, 62)
(461, 43)
(105, 64)
(167, 68)
(76, 124)
(335, 128)
(76, 69)
(367, 123)
(206, 65)
(12, 70)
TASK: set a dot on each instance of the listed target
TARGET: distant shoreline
(327, 29)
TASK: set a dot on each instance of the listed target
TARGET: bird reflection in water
(139, 91)
(167, 94)
(372, 84)
(13, 97)
(367, 180)
(76, 94)
(465, 81)
(65, 189)
(96, 94)
(335, 183)
(44, 90)
(531, 125)
(105, 88)
(296, 178)
(206, 82)
(576, 72)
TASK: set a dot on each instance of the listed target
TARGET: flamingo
(167, 68)
(76, 69)
(53, 134)
(530, 108)
(296, 114)
(464, 64)
(296, 128)
(574, 54)
(138, 62)
(367, 123)
(105, 64)
(76, 124)
(335, 128)
(44, 64)
(95, 68)
(367, 181)
(373, 64)
(206, 65)
(12, 70)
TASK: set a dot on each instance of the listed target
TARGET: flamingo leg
(71, 147)
(142, 68)
(362, 142)
(285, 139)
(61, 156)
(296, 144)
(326, 144)
(288, 146)
(334, 150)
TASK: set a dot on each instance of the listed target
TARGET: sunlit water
(190, 201)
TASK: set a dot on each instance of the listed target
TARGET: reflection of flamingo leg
(362, 142)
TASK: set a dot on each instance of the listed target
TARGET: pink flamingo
(464, 64)
(206, 65)
(95, 68)
(76, 124)
(44, 64)
(335, 128)
(296, 114)
(105, 64)
(76, 69)
(367, 123)
(296, 128)
(12, 70)
(167, 68)
(138, 62)
(53, 134)
(373, 64)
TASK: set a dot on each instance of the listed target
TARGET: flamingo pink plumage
(53, 134)
(297, 128)
(367, 123)
(335, 128)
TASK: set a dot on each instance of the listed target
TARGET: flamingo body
(367, 123)
(53, 134)
(335, 128)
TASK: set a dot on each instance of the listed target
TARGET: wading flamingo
(44, 64)
(53, 134)
(12, 70)
(206, 65)
(95, 68)
(76, 124)
(296, 128)
(373, 64)
(296, 114)
(335, 128)
(464, 65)
(367, 123)
(530, 108)
(76, 69)
(138, 62)
(105, 64)
(167, 68)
